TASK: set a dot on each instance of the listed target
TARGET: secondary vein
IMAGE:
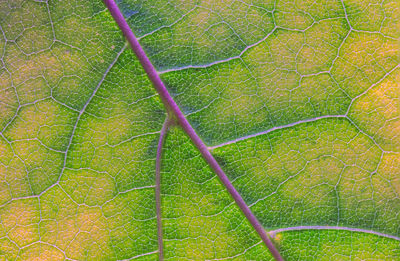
(280, 230)
(82, 111)
(161, 140)
(276, 128)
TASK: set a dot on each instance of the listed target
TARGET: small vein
(132, 138)
(85, 106)
(240, 254)
(145, 254)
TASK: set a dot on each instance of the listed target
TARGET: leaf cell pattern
(298, 101)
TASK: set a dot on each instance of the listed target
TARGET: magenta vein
(161, 140)
(173, 108)
(274, 232)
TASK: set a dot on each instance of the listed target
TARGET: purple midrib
(173, 109)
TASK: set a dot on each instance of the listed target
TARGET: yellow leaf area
(55, 227)
(377, 111)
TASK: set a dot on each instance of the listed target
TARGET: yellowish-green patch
(33, 89)
(371, 15)
(363, 60)
(391, 23)
(87, 186)
(80, 231)
(8, 249)
(320, 47)
(386, 188)
(28, 24)
(378, 112)
(42, 165)
(20, 221)
(300, 14)
(8, 99)
(13, 175)
(46, 121)
(41, 252)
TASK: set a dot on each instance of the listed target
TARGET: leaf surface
(298, 101)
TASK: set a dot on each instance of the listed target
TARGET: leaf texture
(298, 102)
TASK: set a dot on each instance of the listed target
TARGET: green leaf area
(298, 101)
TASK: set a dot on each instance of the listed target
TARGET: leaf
(286, 116)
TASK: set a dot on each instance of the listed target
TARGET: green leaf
(200, 219)
(295, 113)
